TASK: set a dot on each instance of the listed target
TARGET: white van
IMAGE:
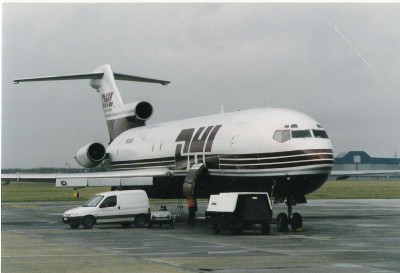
(125, 207)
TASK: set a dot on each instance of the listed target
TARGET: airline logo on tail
(107, 100)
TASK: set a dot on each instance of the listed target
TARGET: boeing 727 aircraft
(280, 151)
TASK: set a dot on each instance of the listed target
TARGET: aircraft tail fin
(119, 116)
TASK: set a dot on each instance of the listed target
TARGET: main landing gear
(295, 220)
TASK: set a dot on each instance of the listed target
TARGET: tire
(126, 224)
(140, 220)
(236, 229)
(216, 228)
(296, 221)
(266, 229)
(88, 222)
(282, 222)
(74, 225)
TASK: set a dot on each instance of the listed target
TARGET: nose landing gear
(295, 220)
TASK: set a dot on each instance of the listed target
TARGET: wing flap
(103, 181)
(143, 177)
(33, 177)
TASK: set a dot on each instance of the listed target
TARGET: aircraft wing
(142, 177)
(342, 175)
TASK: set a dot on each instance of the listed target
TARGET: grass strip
(358, 189)
(332, 189)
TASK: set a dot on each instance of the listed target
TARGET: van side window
(110, 201)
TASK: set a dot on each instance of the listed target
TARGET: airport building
(360, 160)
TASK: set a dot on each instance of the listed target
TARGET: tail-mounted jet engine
(127, 116)
(142, 111)
(91, 155)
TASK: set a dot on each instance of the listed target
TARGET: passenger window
(301, 134)
(320, 134)
(110, 201)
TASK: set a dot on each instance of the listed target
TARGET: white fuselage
(237, 144)
(242, 132)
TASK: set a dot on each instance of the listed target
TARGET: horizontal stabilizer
(87, 76)
(91, 76)
(124, 77)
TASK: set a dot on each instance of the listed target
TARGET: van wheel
(88, 222)
(236, 229)
(216, 228)
(126, 224)
(140, 220)
(74, 225)
(266, 229)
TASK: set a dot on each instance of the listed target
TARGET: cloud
(237, 55)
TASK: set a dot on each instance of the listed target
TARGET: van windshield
(93, 201)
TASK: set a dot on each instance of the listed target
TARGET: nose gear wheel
(295, 220)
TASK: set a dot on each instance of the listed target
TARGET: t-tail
(119, 116)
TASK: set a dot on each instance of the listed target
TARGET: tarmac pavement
(338, 236)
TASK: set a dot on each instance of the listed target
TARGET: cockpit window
(287, 134)
(301, 134)
(320, 134)
(282, 135)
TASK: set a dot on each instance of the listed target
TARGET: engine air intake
(143, 110)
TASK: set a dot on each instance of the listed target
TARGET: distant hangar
(360, 161)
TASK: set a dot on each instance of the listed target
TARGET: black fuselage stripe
(275, 160)
(150, 166)
(240, 161)
(227, 164)
(278, 165)
(279, 154)
(150, 160)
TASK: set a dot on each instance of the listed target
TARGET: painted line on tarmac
(93, 255)
(130, 248)
(120, 254)
(228, 252)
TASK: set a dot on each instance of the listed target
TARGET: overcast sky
(338, 63)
